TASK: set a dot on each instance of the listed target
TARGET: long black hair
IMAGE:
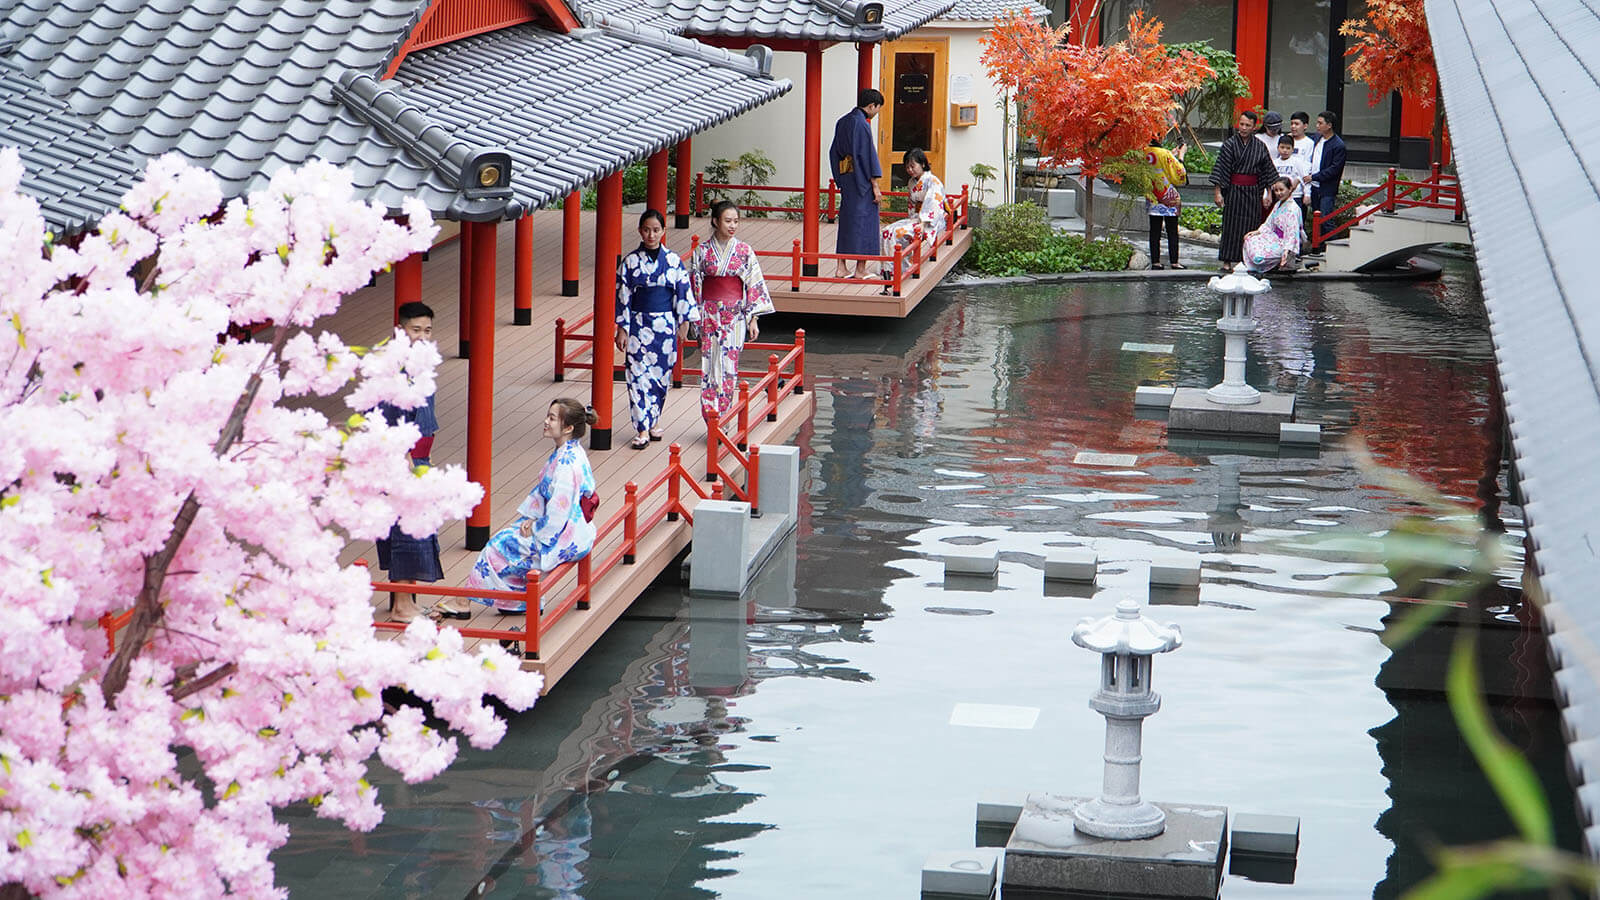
(916, 155)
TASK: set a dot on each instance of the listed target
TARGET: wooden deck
(524, 357)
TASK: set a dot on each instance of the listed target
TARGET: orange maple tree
(1392, 51)
(1091, 104)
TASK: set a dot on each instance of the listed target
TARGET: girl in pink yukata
(1277, 242)
(553, 523)
(727, 283)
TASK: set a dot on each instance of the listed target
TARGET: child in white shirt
(1293, 167)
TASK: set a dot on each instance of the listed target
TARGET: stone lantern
(1238, 290)
(1126, 641)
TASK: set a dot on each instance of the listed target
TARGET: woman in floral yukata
(653, 302)
(553, 523)
(728, 285)
(1277, 242)
(926, 204)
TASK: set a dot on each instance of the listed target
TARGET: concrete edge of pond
(1415, 273)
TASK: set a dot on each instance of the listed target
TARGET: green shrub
(1201, 217)
(1057, 253)
(1013, 228)
(1198, 160)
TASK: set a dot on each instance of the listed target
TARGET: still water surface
(820, 738)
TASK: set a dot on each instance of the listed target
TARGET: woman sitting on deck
(926, 206)
(1277, 242)
(553, 523)
(727, 283)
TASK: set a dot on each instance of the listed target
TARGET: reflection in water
(799, 742)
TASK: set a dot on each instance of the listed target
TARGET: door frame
(939, 131)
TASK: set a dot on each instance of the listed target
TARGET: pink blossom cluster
(145, 465)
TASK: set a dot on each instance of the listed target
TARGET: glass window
(1182, 20)
(1297, 59)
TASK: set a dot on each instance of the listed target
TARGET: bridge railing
(1439, 190)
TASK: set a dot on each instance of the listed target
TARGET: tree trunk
(1088, 208)
(1438, 125)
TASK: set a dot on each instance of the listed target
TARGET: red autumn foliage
(1390, 50)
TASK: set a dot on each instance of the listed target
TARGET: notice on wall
(961, 88)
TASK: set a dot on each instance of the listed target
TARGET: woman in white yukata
(553, 523)
(653, 302)
(731, 292)
(926, 205)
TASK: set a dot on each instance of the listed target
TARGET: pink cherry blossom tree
(147, 467)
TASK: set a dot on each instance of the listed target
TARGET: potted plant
(982, 174)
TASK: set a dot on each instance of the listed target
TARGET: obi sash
(1243, 180)
(653, 298)
(723, 291)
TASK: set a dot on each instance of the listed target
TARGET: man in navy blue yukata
(854, 160)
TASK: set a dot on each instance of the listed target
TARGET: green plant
(1014, 227)
(1130, 174)
(797, 203)
(982, 174)
(753, 168)
(1201, 217)
(1198, 161)
(1214, 98)
(1058, 252)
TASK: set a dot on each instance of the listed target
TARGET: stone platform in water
(1192, 410)
(1046, 854)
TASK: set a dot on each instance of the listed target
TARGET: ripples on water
(806, 743)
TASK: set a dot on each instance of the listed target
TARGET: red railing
(905, 262)
(784, 376)
(1438, 191)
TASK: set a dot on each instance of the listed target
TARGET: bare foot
(405, 608)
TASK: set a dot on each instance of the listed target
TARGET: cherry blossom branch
(189, 688)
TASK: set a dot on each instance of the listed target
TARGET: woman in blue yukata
(653, 303)
(553, 524)
(731, 292)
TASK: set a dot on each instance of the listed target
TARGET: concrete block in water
(1047, 853)
(967, 872)
(780, 480)
(1176, 570)
(1299, 433)
(970, 561)
(1257, 833)
(998, 809)
(721, 532)
(1153, 396)
(1071, 564)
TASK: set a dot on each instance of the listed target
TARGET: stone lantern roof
(1127, 632)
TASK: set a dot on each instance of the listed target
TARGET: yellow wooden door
(915, 75)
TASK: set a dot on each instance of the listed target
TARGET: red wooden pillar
(407, 283)
(570, 224)
(480, 379)
(464, 325)
(864, 66)
(522, 287)
(1250, 48)
(656, 182)
(607, 245)
(813, 186)
(685, 154)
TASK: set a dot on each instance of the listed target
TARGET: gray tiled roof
(1521, 87)
(244, 87)
(819, 20)
(989, 10)
(76, 173)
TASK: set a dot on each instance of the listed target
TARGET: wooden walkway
(524, 358)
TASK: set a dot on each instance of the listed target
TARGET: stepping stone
(965, 872)
(971, 561)
(1273, 835)
(1176, 570)
(1135, 347)
(999, 810)
(1149, 395)
(1112, 460)
(1299, 433)
(1071, 564)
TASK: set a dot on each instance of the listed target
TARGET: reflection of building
(1290, 54)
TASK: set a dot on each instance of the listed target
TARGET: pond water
(819, 738)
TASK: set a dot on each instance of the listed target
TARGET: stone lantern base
(1047, 853)
(1192, 410)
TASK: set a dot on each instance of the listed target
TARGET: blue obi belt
(655, 298)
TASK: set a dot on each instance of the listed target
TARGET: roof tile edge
(755, 62)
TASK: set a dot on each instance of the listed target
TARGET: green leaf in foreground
(1508, 771)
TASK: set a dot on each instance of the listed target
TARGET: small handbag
(847, 164)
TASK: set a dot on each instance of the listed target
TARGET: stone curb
(1419, 274)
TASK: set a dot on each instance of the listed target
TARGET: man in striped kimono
(1242, 171)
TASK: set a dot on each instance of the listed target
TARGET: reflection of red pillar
(864, 66)
(656, 189)
(480, 379)
(407, 283)
(607, 244)
(464, 326)
(522, 284)
(684, 179)
(569, 243)
(813, 186)
(1250, 48)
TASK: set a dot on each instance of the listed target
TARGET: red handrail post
(800, 362)
(1460, 210)
(1388, 205)
(966, 199)
(772, 387)
(713, 431)
(561, 351)
(744, 416)
(677, 362)
(899, 268)
(535, 616)
(916, 250)
(699, 193)
(585, 579)
(716, 490)
(1433, 178)
(673, 465)
(794, 261)
(630, 522)
(753, 485)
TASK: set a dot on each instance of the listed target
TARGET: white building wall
(778, 128)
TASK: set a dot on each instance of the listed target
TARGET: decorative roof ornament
(1127, 632)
